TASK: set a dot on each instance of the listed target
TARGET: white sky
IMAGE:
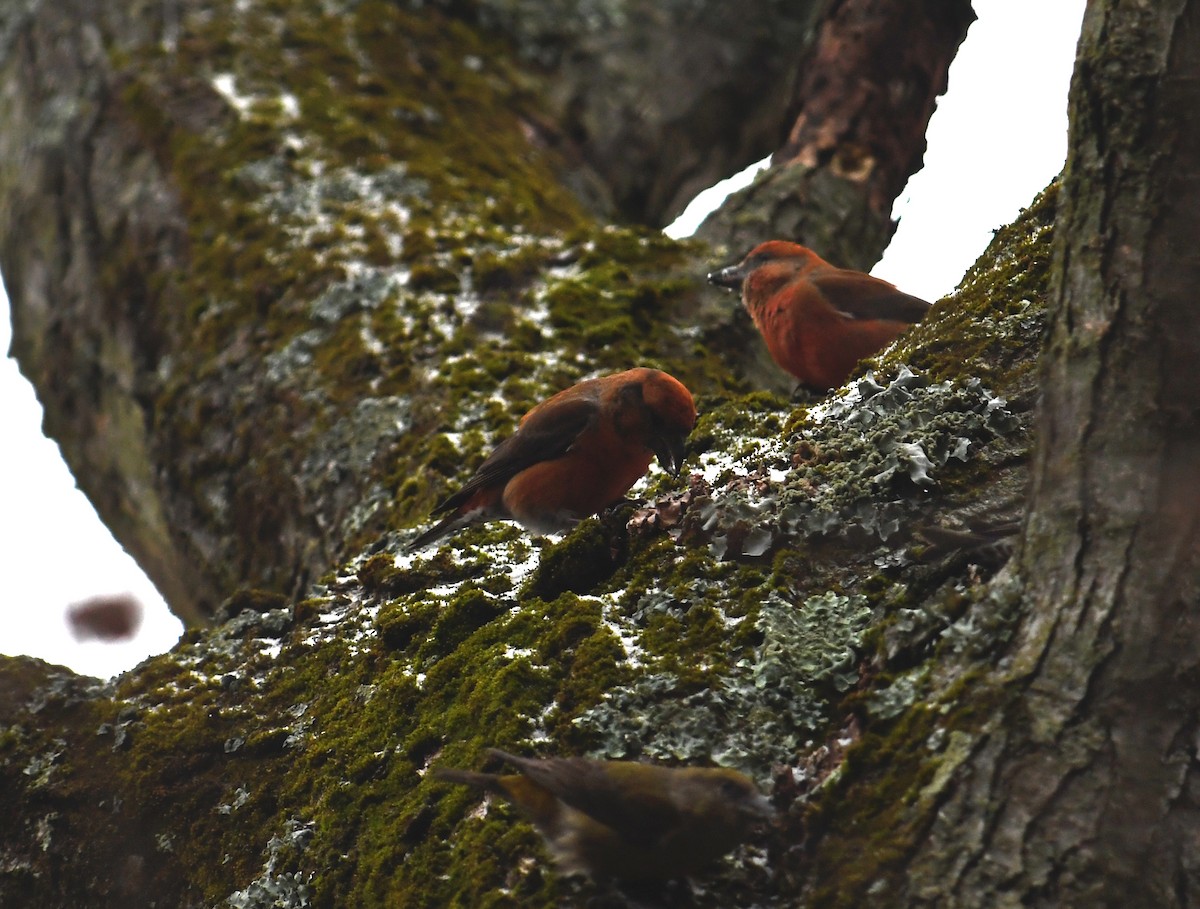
(998, 136)
(53, 549)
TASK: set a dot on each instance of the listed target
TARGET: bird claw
(805, 394)
(621, 504)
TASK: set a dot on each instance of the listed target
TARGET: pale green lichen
(782, 598)
(332, 709)
(773, 700)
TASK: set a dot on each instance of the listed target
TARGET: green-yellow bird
(624, 819)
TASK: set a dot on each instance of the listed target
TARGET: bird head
(766, 268)
(672, 414)
(722, 797)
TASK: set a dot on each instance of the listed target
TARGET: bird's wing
(546, 433)
(641, 814)
(860, 296)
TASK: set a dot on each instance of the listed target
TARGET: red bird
(818, 320)
(575, 454)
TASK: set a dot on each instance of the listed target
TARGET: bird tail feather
(486, 781)
(446, 525)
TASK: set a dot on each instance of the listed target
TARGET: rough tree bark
(251, 287)
(177, 256)
(861, 102)
(1095, 796)
(1079, 787)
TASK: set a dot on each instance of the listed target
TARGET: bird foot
(621, 505)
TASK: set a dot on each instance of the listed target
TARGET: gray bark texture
(1082, 791)
(284, 273)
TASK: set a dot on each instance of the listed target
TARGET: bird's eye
(731, 788)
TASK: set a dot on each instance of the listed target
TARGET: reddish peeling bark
(868, 89)
(861, 101)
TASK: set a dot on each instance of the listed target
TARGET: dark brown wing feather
(641, 817)
(546, 434)
(863, 297)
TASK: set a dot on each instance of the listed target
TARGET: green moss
(874, 814)
(378, 573)
(367, 265)
(997, 310)
(435, 278)
(494, 270)
(581, 562)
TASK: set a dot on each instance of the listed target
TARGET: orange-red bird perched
(818, 320)
(575, 454)
(623, 819)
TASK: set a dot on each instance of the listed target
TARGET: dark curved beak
(669, 449)
(731, 277)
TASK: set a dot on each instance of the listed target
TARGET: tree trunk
(1101, 767)
(861, 102)
(1081, 789)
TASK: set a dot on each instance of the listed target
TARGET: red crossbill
(818, 320)
(627, 820)
(575, 454)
